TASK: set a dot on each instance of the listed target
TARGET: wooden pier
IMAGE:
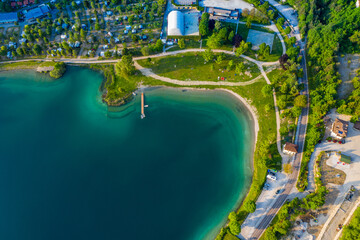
(142, 106)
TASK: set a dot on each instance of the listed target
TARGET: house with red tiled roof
(290, 148)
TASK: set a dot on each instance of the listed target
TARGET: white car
(271, 177)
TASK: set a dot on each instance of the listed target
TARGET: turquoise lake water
(69, 169)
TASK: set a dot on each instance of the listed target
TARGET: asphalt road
(300, 141)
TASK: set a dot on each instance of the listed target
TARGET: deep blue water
(69, 169)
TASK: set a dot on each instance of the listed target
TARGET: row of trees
(326, 37)
(234, 227)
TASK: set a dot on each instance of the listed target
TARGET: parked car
(279, 191)
(271, 177)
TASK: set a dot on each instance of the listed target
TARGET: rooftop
(291, 147)
(8, 17)
(37, 12)
(340, 128)
(345, 159)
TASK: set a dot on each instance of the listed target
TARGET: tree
(86, 4)
(134, 38)
(248, 23)
(181, 43)
(220, 58)
(267, 90)
(300, 101)
(237, 40)
(74, 53)
(213, 41)
(97, 26)
(234, 227)
(296, 111)
(232, 216)
(73, 4)
(131, 19)
(264, 50)
(240, 68)
(159, 45)
(283, 60)
(243, 47)
(3, 51)
(82, 34)
(270, 235)
(281, 103)
(250, 206)
(267, 108)
(283, 131)
(287, 30)
(145, 51)
(59, 70)
(204, 24)
(231, 37)
(107, 54)
(37, 49)
(230, 65)
(218, 25)
(208, 55)
(125, 67)
(280, 21)
(355, 38)
(222, 35)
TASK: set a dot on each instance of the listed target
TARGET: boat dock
(142, 106)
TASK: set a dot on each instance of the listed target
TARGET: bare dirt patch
(348, 64)
(330, 174)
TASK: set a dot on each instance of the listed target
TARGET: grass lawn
(20, 65)
(191, 66)
(188, 44)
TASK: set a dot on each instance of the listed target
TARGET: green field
(191, 66)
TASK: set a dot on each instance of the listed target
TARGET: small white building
(22, 40)
(290, 148)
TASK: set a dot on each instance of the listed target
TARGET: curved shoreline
(253, 113)
(251, 109)
(255, 127)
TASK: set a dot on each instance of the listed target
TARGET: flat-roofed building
(38, 12)
(8, 17)
(219, 13)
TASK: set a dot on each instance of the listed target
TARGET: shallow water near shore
(70, 169)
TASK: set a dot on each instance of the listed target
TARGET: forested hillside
(331, 27)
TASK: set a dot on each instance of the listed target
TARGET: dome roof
(175, 23)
